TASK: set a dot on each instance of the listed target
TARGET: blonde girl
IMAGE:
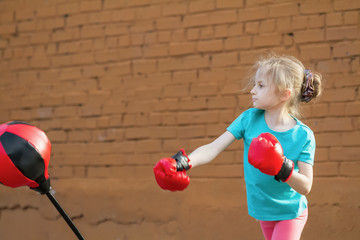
(276, 143)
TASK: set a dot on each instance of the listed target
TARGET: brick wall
(117, 85)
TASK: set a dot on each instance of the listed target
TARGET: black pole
(64, 215)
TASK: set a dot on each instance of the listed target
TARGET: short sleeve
(238, 126)
(308, 152)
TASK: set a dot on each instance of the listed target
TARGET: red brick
(188, 132)
(339, 33)
(350, 138)
(66, 35)
(70, 73)
(83, 58)
(321, 154)
(163, 132)
(24, 14)
(129, 53)
(178, 36)
(316, 21)
(191, 62)
(137, 133)
(201, 6)
(328, 139)
(57, 136)
(27, 26)
(334, 19)
(315, 51)
(100, 17)
(78, 19)
(172, 9)
(299, 22)
(68, 8)
(223, 102)
(256, 13)
(113, 4)
(176, 91)
(283, 9)
(206, 33)
(88, 6)
(185, 76)
(139, 2)
(226, 16)
(92, 31)
(54, 23)
(339, 95)
(7, 17)
(336, 109)
(224, 59)
(350, 169)
(308, 36)
(204, 90)
(148, 146)
(144, 66)
(344, 154)
(209, 46)
(307, 7)
(267, 40)
(193, 104)
(75, 98)
(336, 66)
(338, 124)
(168, 23)
(90, 110)
(182, 48)
(7, 29)
(346, 49)
(238, 43)
(107, 56)
(351, 17)
(346, 5)
(229, 4)
(65, 111)
(352, 109)
(326, 169)
(142, 26)
(195, 20)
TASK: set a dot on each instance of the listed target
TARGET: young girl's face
(264, 93)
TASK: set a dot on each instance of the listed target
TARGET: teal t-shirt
(268, 199)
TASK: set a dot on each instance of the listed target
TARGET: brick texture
(119, 84)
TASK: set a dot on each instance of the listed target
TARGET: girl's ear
(285, 94)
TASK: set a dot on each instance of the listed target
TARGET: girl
(276, 144)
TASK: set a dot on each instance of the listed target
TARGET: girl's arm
(302, 181)
(208, 152)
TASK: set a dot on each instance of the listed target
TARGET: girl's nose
(252, 92)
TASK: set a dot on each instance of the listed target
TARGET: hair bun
(307, 89)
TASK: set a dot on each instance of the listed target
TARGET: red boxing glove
(170, 173)
(267, 155)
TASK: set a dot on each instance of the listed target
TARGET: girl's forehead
(261, 76)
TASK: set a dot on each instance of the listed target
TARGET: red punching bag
(24, 156)
(24, 160)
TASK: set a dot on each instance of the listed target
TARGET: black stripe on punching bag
(24, 156)
(17, 122)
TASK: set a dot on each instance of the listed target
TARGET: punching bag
(24, 156)
(24, 159)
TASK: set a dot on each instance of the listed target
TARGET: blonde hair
(287, 72)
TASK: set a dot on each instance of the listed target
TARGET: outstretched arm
(170, 173)
(208, 152)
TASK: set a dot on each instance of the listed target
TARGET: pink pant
(284, 230)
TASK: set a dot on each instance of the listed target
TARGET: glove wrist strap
(182, 161)
(285, 171)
